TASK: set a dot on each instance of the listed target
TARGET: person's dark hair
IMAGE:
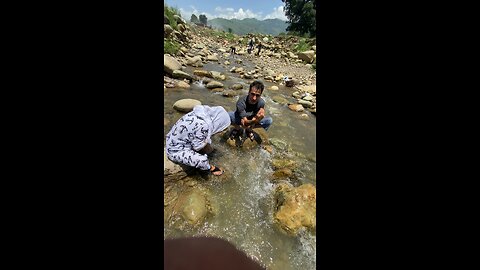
(257, 84)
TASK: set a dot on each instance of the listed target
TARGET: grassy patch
(169, 12)
(302, 45)
(170, 46)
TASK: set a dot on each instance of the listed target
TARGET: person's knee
(232, 117)
(266, 122)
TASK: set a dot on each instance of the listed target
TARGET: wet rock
(170, 64)
(280, 99)
(233, 69)
(217, 75)
(311, 89)
(226, 63)
(273, 87)
(194, 207)
(182, 84)
(237, 86)
(186, 105)
(282, 174)
(230, 93)
(308, 97)
(307, 56)
(279, 144)
(206, 80)
(201, 72)
(304, 116)
(296, 207)
(297, 94)
(305, 103)
(218, 89)
(248, 76)
(296, 107)
(281, 163)
(178, 74)
(214, 84)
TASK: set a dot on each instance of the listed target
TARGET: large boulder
(296, 207)
(186, 204)
(307, 56)
(181, 27)
(178, 74)
(195, 61)
(201, 72)
(186, 105)
(178, 19)
(170, 64)
(182, 84)
(167, 29)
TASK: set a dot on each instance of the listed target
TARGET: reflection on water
(244, 201)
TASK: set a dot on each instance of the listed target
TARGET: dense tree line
(301, 16)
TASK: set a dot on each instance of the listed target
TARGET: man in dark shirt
(250, 112)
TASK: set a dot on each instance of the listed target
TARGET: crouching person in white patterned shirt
(189, 140)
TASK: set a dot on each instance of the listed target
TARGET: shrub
(170, 46)
(169, 12)
(302, 45)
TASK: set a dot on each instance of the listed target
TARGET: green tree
(230, 30)
(301, 16)
(203, 19)
(194, 19)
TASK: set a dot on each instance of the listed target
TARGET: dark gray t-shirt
(245, 109)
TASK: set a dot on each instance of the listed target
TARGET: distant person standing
(250, 46)
(259, 46)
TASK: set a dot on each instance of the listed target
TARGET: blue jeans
(265, 122)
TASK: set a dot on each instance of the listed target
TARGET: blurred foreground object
(205, 253)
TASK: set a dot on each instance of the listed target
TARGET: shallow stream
(245, 199)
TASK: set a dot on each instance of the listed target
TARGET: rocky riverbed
(265, 201)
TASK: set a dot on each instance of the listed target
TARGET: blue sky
(230, 9)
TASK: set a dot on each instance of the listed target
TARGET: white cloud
(277, 13)
(230, 13)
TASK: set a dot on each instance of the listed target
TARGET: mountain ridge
(250, 25)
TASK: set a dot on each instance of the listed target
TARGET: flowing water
(245, 201)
